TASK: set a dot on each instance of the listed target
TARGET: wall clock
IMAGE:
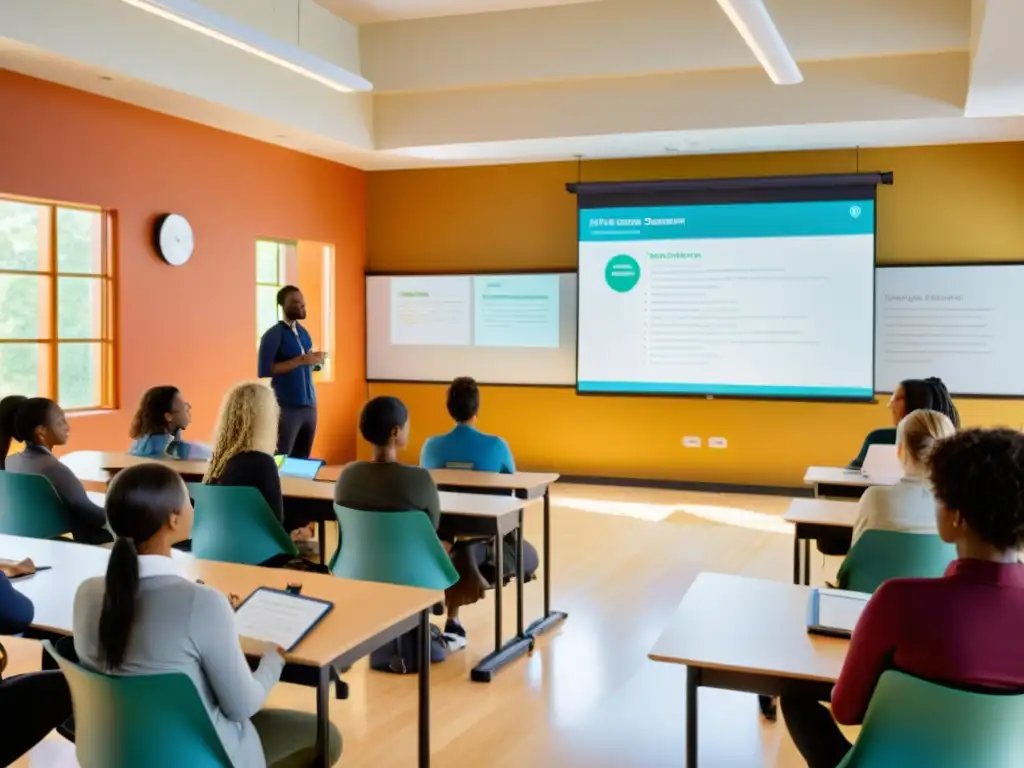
(173, 239)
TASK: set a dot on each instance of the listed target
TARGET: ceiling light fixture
(759, 32)
(198, 18)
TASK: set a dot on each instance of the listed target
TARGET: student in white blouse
(907, 506)
(147, 617)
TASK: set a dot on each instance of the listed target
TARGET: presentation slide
(500, 329)
(744, 299)
(960, 323)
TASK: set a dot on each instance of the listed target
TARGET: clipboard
(280, 617)
(834, 612)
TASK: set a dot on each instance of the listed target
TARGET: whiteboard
(961, 323)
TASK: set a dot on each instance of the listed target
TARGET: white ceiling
(538, 83)
(372, 11)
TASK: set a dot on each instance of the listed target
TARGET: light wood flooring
(587, 696)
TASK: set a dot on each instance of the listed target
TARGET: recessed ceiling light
(107, 78)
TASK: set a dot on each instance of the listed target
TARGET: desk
(746, 635)
(840, 483)
(366, 614)
(812, 518)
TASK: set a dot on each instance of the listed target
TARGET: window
(56, 294)
(271, 268)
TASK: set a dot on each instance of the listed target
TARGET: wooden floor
(587, 696)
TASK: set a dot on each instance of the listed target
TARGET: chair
(882, 555)
(29, 506)
(912, 722)
(234, 524)
(391, 547)
(157, 721)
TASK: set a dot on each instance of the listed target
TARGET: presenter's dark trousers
(30, 707)
(814, 731)
(296, 431)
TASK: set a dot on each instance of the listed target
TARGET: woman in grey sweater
(148, 617)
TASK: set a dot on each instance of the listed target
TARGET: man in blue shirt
(465, 446)
(287, 357)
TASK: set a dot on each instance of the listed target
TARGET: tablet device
(304, 468)
(279, 617)
(834, 612)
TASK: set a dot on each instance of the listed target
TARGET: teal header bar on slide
(741, 390)
(735, 220)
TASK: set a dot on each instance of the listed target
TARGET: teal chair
(911, 722)
(234, 524)
(882, 555)
(29, 506)
(156, 721)
(391, 547)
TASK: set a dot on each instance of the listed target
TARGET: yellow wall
(954, 203)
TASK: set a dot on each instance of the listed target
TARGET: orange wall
(955, 203)
(191, 326)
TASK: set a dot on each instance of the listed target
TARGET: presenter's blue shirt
(295, 388)
(466, 447)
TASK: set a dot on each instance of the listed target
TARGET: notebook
(834, 612)
(304, 468)
(275, 616)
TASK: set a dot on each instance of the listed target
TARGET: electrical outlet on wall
(718, 442)
(692, 441)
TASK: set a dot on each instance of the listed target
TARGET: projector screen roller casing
(510, 328)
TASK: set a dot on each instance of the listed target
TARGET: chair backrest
(912, 722)
(29, 506)
(234, 524)
(391, 547)
(157, 721)
(882, 555)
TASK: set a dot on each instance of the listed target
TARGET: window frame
(107, 340)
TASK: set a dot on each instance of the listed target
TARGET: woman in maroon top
(961, 630)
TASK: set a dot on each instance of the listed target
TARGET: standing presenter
(286, 356)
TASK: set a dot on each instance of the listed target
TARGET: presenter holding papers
(286, 356)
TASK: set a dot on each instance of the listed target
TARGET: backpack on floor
(401, 655)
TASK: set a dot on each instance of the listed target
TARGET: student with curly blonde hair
(243, 448)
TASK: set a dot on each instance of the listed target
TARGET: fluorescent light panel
(759, 32)
(201, 19)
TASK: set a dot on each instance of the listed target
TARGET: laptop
(835, 612)
(304, 468)
(882, 463)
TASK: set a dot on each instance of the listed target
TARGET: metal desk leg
(323, 718)
(692, 687)
(520, 578)
(796, 559)
(424, 692)
(550, 617)
(807, 561)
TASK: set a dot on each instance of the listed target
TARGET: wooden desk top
(362, 609)
(479, 505)
(466, 478)
(748, 625)
(99, 465)
(842, 476)
(23, 655)
(841, 514)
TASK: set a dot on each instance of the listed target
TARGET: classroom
(689, 326)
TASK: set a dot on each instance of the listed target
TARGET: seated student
(8, 409)
(911, 395)
(465, 446)
(33, 704)
(243, 450)
(909, 505)
(959, 630)
(157, 426)
(148, 617)
(40, 424)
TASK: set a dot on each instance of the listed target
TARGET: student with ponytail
(8, 409)
(148, 617)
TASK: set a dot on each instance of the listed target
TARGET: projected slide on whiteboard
(744, 299)
(500, 329)
(960, 323)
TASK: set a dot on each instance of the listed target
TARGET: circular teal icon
(622, 273)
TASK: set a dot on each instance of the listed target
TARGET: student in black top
(34, 704)
(8, 409)
(243, 451)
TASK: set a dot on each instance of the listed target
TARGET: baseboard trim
(689, 485)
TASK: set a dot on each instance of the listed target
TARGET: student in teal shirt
(465, 446)
(157, 425)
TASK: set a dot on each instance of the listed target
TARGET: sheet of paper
(840, 610)
(275, 617)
